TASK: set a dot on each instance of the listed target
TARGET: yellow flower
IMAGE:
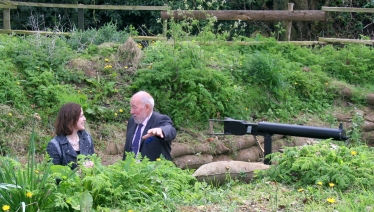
(90, 91)
(130, 211)
(326, 83)
(300, 190)
(353, 153)
(29, 194)
(126, 67)
(106, 59)
(295, 83)
(18, 83)
(6, 207)
(246, 108)
(120, 110)
(36, 172)
(79, 91)
(115, 114)
(158, 159)
(149, 67)
(331, 184)
(330, 200)
(319, 183)
(10, 114)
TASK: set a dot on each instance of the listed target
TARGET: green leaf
(86, 202)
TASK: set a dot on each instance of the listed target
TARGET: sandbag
(370, 99)
(219, 172)
(241, 142)
(214, 147)
(179, 149)
(222, 158)
(252, 154)
(192, 161)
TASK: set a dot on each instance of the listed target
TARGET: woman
(71, 138)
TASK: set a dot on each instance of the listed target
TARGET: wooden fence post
(6, 18)
(81, 18)
(289, 23)
(165, 26)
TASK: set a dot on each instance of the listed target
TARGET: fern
(324, 162)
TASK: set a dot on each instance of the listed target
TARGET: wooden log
(289, 23)
(7, 6)
(81, 19)
(251, 43)
(346, 41)
(151, 38)
(6, 16)
(28, 32)
(82, 6)
(348, 9)
(248, 15)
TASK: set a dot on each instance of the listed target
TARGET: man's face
(138, 110)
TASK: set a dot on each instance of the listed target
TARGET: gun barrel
(301, 131)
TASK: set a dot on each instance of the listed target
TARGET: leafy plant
(124, 184)
(27, 188)
(325, 162)
(180, 79)
(82, 40)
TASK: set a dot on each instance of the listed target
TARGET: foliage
(326, 162)
(126, 184)
(181, 80)
(81, 40)
(27, 188)
(193, 78)
(352, 63)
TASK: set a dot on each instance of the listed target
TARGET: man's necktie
(135, 143)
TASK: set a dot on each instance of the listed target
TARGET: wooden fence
(265, 15)
(8, 5)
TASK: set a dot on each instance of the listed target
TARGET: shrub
(178, 78)
(326, 162)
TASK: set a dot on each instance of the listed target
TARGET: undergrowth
(193, 79)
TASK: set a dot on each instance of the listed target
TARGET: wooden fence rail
(348, 9)
(8, 5)
(248, 15)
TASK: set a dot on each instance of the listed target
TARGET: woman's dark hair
(67, 118)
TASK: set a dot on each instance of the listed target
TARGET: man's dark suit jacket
(154, 146)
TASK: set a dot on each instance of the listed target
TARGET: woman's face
(81, 121)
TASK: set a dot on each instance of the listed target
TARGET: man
(156, 129)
